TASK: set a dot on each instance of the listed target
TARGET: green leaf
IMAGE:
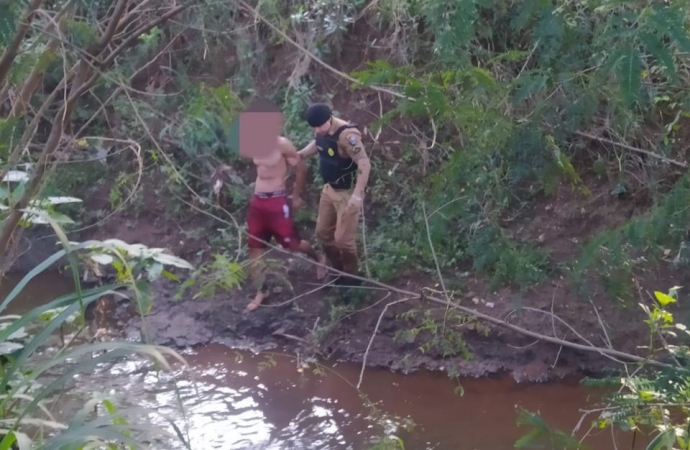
(654, 46)
(144, 297)
(669, 20)
(9, 348)
(529, 439)
(482, 77)
(8, 441)
(8, 23)
(170, 275)
(629, 68)
(664, 299)
(530, 83)
(663, 441)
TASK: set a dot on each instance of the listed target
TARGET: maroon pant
(270, 216)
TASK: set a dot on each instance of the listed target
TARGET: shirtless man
(269, 211)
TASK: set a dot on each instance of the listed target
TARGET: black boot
(348, 288)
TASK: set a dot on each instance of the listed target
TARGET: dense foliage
(494, 108)
(505, 103)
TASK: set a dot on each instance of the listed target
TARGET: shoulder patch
(352, 140)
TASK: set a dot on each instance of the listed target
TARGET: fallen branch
(634, 149)
(373, 335)
(552, 340)
(569, 327)
(495, 320)
(289, 336)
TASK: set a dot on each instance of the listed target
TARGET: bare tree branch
(51, 144)
(33, 81)
(10, 53)
(83, 81)
(634, 149)
(127, 42)
(113, 24)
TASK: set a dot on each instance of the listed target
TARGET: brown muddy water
(234, 399)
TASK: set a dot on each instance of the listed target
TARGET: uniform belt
(273, 194)
(340, 187)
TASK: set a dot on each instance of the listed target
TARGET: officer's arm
(294, 159)
(309, 150)
(355, 149)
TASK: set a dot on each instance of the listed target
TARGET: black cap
(317, 115)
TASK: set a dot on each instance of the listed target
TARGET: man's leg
(257, 230)
(306, 248)
(284, 229)
(346, 239)
(256, 268)
(326, 222)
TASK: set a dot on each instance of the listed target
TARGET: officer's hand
(297, 203)
(354, 203)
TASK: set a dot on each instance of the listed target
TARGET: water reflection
(230, 404)
(233, 405)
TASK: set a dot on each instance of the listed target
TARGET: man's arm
(352, 142)
(309, 150)
(294, 159)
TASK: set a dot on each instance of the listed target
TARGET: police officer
(344, 167)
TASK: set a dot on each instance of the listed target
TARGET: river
(235, 399)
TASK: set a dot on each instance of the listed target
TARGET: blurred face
(323, 129)
(259, 133)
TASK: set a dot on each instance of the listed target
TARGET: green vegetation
(537, 100)
(650, 402)
(521, 141)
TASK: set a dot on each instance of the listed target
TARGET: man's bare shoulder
(286, 146)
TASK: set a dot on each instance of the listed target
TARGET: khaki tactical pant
(336, 229)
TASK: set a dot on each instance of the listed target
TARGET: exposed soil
(291, 325)
(560, 223)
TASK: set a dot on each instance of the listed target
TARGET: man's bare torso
(271, 171)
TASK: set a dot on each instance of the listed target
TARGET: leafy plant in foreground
(30, 382)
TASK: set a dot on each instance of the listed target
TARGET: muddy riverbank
(409, 334)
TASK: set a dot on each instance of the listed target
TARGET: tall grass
(26, 421)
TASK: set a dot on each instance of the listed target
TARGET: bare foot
(321, 271)
(256, 302)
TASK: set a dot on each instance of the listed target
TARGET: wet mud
(302, 327)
